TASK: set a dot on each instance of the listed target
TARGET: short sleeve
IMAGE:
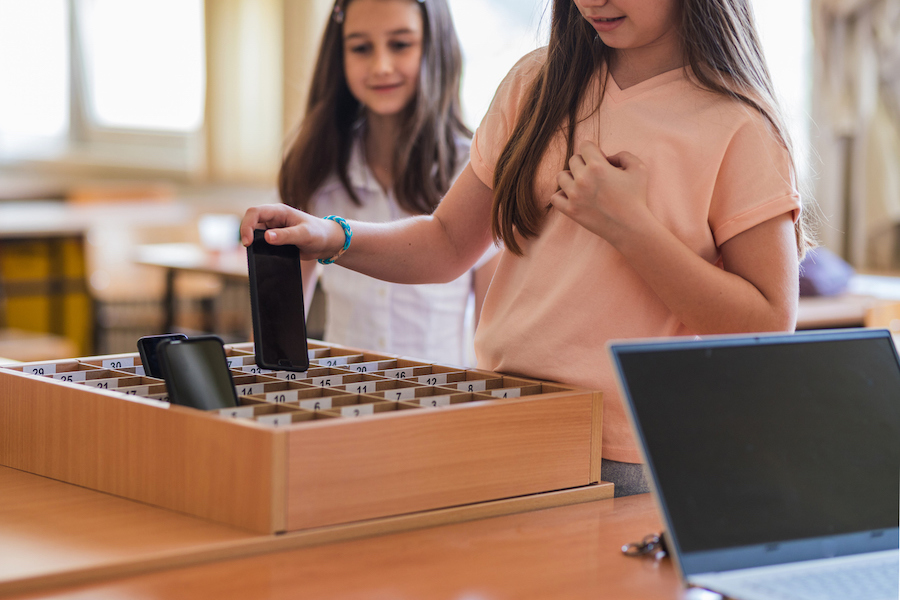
(497, 124)
(754, 183)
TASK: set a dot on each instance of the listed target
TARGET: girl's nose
(382, 62)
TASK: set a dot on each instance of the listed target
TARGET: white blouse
(432, 322)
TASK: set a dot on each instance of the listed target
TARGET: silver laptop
(775, 459)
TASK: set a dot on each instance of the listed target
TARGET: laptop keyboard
(876, 580)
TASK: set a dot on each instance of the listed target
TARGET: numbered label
(478, 385)
(361, 387)
(316, 404)
(398, 373)
(241, 412)
(433, 379)
(118, 363)
(435, 400)
(255, 370)
(71, 376)
(290, 375)
(236, 361)
(328, 380)
(280, 397)
(364, 367)
(105, 384)
(357, 410)
(333, 361)
(401, 394)
(246, 390)
(139, 370)
(507, 393)
(48, 369)
(282, 419)
(139, 390)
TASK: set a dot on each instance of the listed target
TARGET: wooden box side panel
(168, 457)
(416, 461)
(597, 436)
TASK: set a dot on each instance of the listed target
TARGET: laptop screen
(755, 442)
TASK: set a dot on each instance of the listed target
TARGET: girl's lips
(385, 88)
(606, 24)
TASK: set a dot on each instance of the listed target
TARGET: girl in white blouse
(383, 139)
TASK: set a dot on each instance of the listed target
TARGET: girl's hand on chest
(604, 194)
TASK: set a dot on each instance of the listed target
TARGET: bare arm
(427, 249)
(757, 290)
(482, 281)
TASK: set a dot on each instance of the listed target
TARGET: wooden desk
(827, 312)
(56, 534)
(865, 291)
(230, 266)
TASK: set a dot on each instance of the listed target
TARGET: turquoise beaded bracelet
(348, 234)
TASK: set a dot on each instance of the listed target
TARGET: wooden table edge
(162, 561)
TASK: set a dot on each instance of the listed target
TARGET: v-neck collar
(358, 170)
(616, 94)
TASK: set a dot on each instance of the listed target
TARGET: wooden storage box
(291, 457)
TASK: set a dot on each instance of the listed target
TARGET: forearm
(757, 291)
(413, 250)
(426, 249)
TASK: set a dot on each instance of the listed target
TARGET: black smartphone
(147, 347)
(196, 372)
(276, 299)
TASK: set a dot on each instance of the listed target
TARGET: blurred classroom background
(135, 133)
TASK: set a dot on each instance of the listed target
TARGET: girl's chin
(385, 110)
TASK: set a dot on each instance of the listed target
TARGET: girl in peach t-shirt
(640, 178)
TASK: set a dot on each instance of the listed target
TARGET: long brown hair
(425, 158)
(720, 45)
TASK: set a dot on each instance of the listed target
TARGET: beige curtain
(260, 55)
(856, 131)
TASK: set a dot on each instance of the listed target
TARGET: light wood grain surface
(49, 527)
(563, 552)
(163, 456)
(375, 467)
(53, 534)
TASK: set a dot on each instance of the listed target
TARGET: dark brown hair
(720, 45)
(425, 158)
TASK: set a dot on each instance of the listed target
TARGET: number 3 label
(357, 410)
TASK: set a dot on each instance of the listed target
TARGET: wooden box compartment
(304, 462)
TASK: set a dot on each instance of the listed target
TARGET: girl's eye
(398, 45)
(360, 48)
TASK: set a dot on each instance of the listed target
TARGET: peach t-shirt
(715, 170)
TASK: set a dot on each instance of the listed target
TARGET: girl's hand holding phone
(316, 238)
(604, 194)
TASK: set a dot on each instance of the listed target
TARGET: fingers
(591, 158)
(566, 182)
(284, 225)
(576, 162)
(271, 217)
(592, 152)
(625, 160)
(560, 201)
(258, 217)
